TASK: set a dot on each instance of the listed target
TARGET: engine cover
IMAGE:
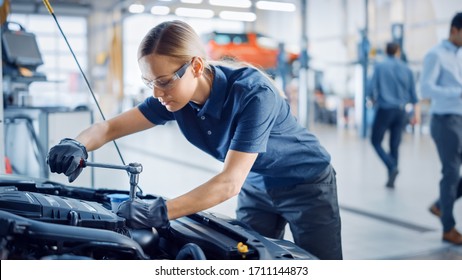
(59, 210)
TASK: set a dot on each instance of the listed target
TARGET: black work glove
(144, 214)
(66, 158)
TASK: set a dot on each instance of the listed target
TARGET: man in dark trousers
(392, 88)
(442, 83)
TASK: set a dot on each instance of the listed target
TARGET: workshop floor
(377, 222)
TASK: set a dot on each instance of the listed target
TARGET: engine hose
(191, 251)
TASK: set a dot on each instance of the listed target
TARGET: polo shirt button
(203, 118)
(209, 132)
(198, 109)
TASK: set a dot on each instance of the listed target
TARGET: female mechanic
(235, 113)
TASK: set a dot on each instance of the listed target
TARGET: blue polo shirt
(246, 113)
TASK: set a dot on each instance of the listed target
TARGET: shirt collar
(447, 44)
(213, 106)
(391, 57)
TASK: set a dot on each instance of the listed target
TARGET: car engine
(40, 219)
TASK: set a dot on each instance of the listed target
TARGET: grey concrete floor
(377, 222)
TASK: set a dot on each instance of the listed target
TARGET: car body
(254, 48)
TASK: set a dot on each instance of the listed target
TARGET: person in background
(441, 82)
(278, 169)
(283, 68)
(392, 87)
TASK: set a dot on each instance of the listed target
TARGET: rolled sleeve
(153, 110)
(257, 118)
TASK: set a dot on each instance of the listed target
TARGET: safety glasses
(166, 83)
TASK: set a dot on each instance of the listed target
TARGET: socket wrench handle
(134, 169)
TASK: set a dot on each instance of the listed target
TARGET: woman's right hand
(66, 157)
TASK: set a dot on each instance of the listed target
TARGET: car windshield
(227, 38)
(266, 42)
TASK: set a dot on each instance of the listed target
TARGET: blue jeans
(310, 209)
(446, 131)
(394, 121)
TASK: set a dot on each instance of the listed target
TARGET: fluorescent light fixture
(198, 13)
(275, 6)
(239, 16)
(231, 3)
(160, 10)
(191, 1)
(136, 8)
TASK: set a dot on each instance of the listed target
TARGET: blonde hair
(175, 39)
(234, 64)
(178, 40)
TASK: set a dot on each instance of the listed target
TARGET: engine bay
(40, 219)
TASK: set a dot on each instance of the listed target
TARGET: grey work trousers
(310, 209)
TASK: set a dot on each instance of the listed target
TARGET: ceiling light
(191, 1)
(136, 8)
(160, 10)
(240, 16)
(234, 3)
(276, 6)
(199, 13)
